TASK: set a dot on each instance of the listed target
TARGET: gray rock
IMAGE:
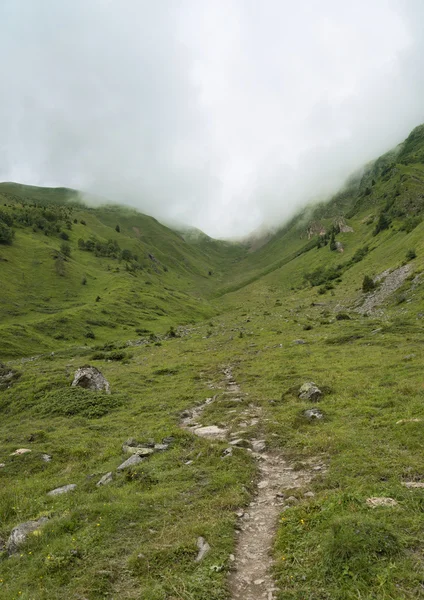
(105, 479)
(299, 342)
(161, 447)
(90, 378)
(309, 391)
(62, 490)
(131, 442)
(204, 548)
(313, 413)
(240, 443)
(46, 457)
(212, 432)
(227, 452)
(258, 445)
(2, 465)
(168, 440)
(309, 495)
(133, 460)
(139, 450)
(21, 532)
(292, 500)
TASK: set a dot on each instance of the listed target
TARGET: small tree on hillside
(6, 234)
(65, 249)
(368, 284)
(118, 229)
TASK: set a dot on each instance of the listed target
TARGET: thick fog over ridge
(225, 115)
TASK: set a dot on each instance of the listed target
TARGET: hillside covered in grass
(193, 333)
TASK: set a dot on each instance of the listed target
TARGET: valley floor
(278, 500)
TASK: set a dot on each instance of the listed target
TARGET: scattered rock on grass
(258, 445)
(413, 484)
(133, 460)
(105, 479)
(309, 391)
(211, 432)
(240, 443)
(139, 450)
(20, 451)
(90, 378)
(204, 548)
(62, 490)
(46, 457)
(313, 414)
(299, 342)
(375, 501)
(21, 532)
(227, 452)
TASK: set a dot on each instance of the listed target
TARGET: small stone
(20, 533)
(131, 442)
(280, 495)
(139, 450)
(232, 558)
(105, 479)
(298, 342)
(413, 484)
(258, 445)
(263, 484)
(168, 440)
(374, 502)
(292, 500)
(161, 447)
(2, 465)
(240, 513)
(20, 451)
(309, 391)
(259, 581)
(188, 462)
(204, 548)
(227, 452)
(309, 495)
(62, 490)
(313, 414)
(211, 432)
(240, 443)
(46, 457)
(133, 460)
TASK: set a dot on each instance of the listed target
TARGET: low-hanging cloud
(225, 115)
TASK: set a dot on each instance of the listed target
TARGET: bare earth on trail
(251, 578)
(251, 575)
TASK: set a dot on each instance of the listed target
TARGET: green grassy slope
(136, 538)
(50, 300)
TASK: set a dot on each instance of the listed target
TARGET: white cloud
(224, 114)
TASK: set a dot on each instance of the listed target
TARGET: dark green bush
(368, 284)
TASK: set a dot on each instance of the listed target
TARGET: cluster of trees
(329, 238)
(51, 220)
(110, 249)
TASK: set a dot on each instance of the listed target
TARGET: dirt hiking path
(251, 574)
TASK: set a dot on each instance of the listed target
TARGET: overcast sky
(223, 114)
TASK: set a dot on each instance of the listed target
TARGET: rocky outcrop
(90, 378)
(20, 533)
